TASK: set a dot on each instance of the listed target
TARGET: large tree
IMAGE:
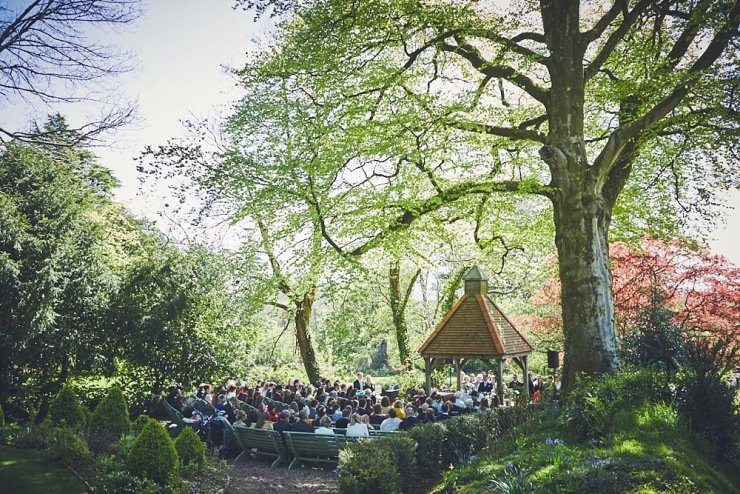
(57, 269)
(594, 107)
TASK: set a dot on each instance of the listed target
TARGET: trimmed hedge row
(393, 464)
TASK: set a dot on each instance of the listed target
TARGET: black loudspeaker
(553, 359)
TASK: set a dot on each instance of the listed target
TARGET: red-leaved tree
(702, 289)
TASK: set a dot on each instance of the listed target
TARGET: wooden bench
(279, 405)
(314, 448)
(204, 407)
(178, 420)
(261, 442)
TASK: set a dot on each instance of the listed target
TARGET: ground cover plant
(616, 434)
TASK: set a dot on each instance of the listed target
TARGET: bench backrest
(204, 406)
(263, 440)
(175, 415)
(309, 445)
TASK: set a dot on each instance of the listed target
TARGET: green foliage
(30, 435)
(172, 304)
(591, 408)
(111, 414)
(425, 451)
(56, 274)
(368, 468)
(190, 449)
(654, 340)
(2, 417)
(512, 481)
(66, 446)
(153, 455)
(139, 424)
(102, 442)
(122, 482)
(114, 478)
(705, 398)
(66, 409)
(650, 450)
(404, 451)
(430, 449)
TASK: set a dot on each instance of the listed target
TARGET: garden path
(256, 476)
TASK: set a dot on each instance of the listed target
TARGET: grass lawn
(28, 472)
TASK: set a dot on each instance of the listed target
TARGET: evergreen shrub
(139, 424)
(111, 414)
(153, 454)
(403, 448)
(66, 410)
(367, 467)
(190, 449)
(466, 436)
(430, 450)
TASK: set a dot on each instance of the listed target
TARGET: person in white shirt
(391, 423)
(356, 428)
(324, 426)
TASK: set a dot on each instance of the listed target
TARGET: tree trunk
(582, 224)
(581, 212)
(399, 318)
(302, 322)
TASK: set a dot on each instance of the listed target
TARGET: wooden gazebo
(475, 327)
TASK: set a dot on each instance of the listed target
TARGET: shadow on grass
(29, 472)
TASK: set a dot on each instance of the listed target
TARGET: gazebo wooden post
(428, 369)
(500, 381)
(458, 366)
(526, 378)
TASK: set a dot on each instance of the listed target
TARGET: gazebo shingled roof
(475, 327)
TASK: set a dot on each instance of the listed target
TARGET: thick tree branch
(623, 135)
(595, 32)
(436, 202)
(474, 57)
(519, 133)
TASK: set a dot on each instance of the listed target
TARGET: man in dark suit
(302, 425)
(283, 424)
(344, 421)
(486, 384)
(360, 382)
(410, 421)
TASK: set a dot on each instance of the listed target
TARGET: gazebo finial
(475, 281)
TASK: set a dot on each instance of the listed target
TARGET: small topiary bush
(111, 414)
(466, 436)
(139, 424)
(153, 454)
(190, 449)
(430, 450)
(66, 446)
(368, 468)
(66, 410)
(403, 449)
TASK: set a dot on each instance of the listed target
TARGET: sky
(179, 49)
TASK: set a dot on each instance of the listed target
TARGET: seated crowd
(324, 406)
